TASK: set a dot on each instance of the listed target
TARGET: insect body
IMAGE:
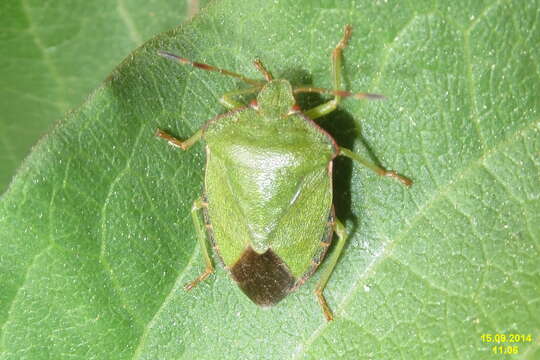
(267, 201)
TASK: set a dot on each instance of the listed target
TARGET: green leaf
(97, 240)
(53, 55)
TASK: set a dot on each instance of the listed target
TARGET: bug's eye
(294, 109)
(254, 104)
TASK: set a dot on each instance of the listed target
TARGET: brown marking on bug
(264, 278)
(254, 104)
(203, 66)
(208, 226)
(295, 109)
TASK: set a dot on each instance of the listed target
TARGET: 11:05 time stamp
(506, 344)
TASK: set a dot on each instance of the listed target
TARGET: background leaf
(95, 232)
(53, 55)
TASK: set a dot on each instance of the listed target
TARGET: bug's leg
(374, 167)
(203, 244)
(228, 101)
(342, 235)
(331, 105)
(184, 145)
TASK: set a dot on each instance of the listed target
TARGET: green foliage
(53, 56)
(96, 239)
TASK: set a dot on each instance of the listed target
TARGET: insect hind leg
(342, 236)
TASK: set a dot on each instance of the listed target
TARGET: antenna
(207, 67)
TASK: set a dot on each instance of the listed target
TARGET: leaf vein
(483, 14)
(386, 250)
(62, 104)
(11, 304)
(128, 21)
(102, 256)
(179, 278)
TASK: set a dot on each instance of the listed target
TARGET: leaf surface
(53, 55)
(96, 234)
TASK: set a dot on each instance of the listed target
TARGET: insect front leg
(342, 236)
(184, 145)
(198, 205)
(337, 91)
(331, 105)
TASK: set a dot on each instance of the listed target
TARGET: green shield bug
(267, 201)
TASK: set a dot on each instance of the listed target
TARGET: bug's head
(276, 98)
